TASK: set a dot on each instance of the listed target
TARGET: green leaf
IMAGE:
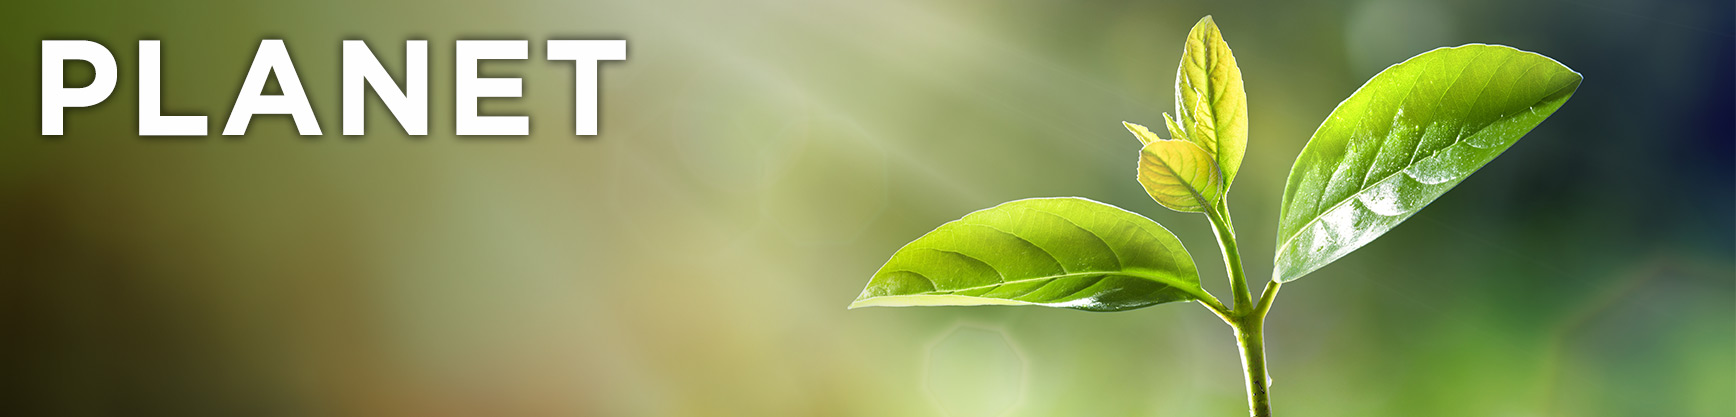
(1140, 132)
(1406, 137)
(1209, 98)
(1180, 175)
(1175, 130)
(1056, 252)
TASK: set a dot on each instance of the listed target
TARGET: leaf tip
(1139, 132)
(1206, 23)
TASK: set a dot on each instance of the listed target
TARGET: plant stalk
(1253, 346)
(1221, 227)
(1247, 318)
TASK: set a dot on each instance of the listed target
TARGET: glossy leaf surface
(1210, 103)
(1407, 136)
(1056, 252)
(1180, 175)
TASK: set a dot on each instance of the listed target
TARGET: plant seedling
(1407, 136)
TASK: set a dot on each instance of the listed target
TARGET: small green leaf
(1209, 98)
(1056, 252)
(1175, 130)
(1406, 137)
(1180, 175)
(1140, 132)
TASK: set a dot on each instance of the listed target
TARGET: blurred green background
(759, 159)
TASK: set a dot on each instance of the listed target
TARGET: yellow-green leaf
(1175, 130)
(1140, 132)
(1209, 98)
(1180, 175)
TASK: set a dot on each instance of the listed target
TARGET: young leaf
(1406, 137)
(1180, 175)
(1056, 252)
(1140, 132)
(1175, 130)
(1209, 98)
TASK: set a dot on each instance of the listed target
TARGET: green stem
(1250, 337)
(1253, 347)
(1217, 307)
(1247, 318)
(1244, 301)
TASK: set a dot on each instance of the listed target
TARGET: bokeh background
(759, 159)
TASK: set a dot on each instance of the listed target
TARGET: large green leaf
(1056, 252)
(1209, 99)
(1406, 137)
